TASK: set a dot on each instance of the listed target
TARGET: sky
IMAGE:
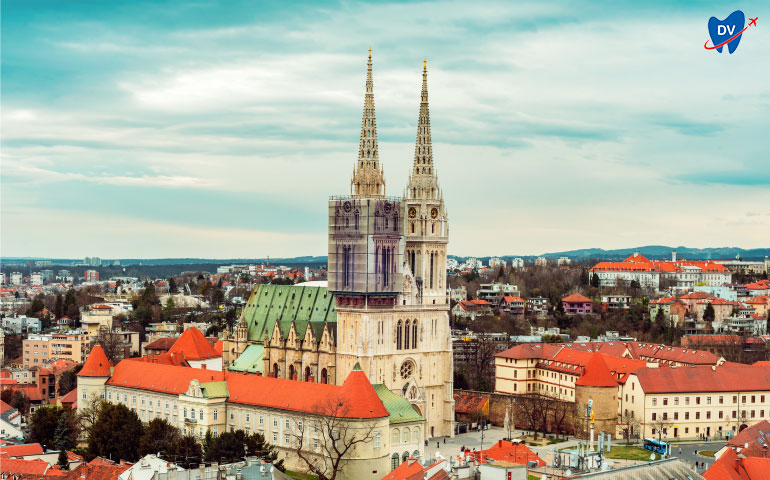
(219, 129)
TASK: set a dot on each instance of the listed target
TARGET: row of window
(720, 414)
(720, 399)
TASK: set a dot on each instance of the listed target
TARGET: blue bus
(656, 446)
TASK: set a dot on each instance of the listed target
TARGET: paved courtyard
(450, 447)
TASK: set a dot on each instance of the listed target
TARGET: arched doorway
(743, 427)
(404, 457)
(324, 378)
(291, 372)
(275, 370)
(394, 461)
(307, 374)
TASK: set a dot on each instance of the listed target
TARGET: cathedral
(384, 306)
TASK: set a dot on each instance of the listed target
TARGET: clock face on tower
(412, 212)
(434, 212)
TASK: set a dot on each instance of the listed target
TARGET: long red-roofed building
(201, 400)
(683, 392)
(684, 274)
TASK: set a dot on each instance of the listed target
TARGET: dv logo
(728, 31)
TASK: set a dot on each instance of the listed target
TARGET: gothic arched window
(398, 335)
(406, 335)
(414, 333)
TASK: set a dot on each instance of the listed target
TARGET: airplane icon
(753, 21)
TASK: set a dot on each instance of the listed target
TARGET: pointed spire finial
(425, 64)
(367, 175)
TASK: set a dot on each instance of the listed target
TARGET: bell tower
(427, 229)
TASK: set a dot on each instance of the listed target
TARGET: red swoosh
(705, 45)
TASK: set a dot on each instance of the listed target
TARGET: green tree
(169, 309)
(68, 380)
(114, 433)
(595, 282)
(257, 445)
(58, 309)
(71, 308)
(226, 448)
(63, 439)
(62, 460)
(708, 314)
(159, 437)
(35, 307)
(172, 286)
(43, 423)
(584, 278)
(187, 452)
(17, 400)
(218, 297)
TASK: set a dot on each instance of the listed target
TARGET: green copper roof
(285, 305)
(215, 389)
(250, 360)
(401, 411)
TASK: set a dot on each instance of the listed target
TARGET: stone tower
(427, 229)
(368, 179)
(397, 330)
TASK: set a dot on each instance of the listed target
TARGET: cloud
(579, 125)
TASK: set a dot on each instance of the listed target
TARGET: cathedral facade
(385, 306)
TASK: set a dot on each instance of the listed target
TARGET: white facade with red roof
(684, 274)
(285, 411)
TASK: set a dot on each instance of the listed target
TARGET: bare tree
(629, 424)
(533, 409)
(111, 343)
(660, 425)
(562, 414)
(88, 415)
(327, 438)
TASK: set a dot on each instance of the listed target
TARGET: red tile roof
(730, 466)
(96, 364)
(95, 471)
(701, 378)
(359, 397)
(193, 346)
(507, 452)
(163, 343)
(576, 298)
(513, 299)
(71, 398)
(413, 470)
(4, 406)
(21, 450)
(750, 436)
(596, 374)
(23, 467)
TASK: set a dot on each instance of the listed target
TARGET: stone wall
(499, 403)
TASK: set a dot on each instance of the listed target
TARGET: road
(473, 440)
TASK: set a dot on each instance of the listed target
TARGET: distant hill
(653, 252)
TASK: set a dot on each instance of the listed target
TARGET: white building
(541, 262)
(563, 261)
(496, 262)
(517, 263)
(16, 278)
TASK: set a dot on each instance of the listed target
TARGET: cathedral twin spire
(368, 176)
